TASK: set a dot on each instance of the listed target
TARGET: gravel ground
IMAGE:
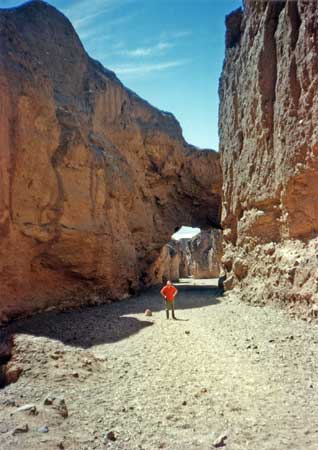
(225, 370)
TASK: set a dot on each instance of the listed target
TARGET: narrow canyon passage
(224, 368)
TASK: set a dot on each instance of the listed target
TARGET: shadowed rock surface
(167, 266)
(269, 151)
(93, 179)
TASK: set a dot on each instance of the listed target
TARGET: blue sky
(170, 52)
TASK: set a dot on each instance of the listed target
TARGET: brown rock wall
(268, 115)
(93, 179)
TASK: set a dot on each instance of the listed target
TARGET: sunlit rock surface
(269, 151)
(93, 179)
(197, 257)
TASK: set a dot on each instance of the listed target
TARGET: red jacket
(169, 292)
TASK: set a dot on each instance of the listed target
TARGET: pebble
(44, 429)
(21, 429)
(30, 408)
(61, 407)
(220, 441)
(49, 400)
(148, 313)
(111, 436)
(8, 402)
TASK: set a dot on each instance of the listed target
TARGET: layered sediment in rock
(93, 179)
(269, 150)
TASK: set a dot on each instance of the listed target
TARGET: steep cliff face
(197, 257)
(269, 150)
(93, 179)
(167, 266)
(201, 255)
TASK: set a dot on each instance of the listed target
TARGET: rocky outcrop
(201, 255)
(269, 151)
(167, 266)
(93, 179)
(198, 257)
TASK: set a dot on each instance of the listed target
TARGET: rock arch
(94, 180)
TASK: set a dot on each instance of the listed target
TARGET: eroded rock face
(167, 266)
(93, 179)
(198, 257)
(269, 150)
(202, 255)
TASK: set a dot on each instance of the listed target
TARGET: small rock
(21, 429)
(220, 441)
(30, 408)
(204, 390)
(187, 332)
(111, 436)
(75, 374)
(61, 407)
(148, 313)
(8, 402)
(49, 400)
(12, 374)
(44, 429)
(3, 428)
(184, 403)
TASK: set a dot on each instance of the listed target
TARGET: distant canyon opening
(191, 253)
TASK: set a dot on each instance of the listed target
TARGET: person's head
(169, 283)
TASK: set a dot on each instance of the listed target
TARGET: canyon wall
(167, 265)
(197, 257)
(201, 255)
(269, 151)
(93, 179)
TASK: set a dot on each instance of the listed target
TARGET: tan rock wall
(269, 150)
(167, 266)
(93, 179)
(203, 255)
(198, 257)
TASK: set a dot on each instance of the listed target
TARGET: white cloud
(159, 48)
(143, 69)
(82, 14)
(175, 34)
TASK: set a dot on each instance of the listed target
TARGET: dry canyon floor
(108, 377)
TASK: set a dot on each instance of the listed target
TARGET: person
(169, 293)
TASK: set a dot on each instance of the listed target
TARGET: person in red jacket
(169, 293)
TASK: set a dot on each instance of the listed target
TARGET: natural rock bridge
(94, 180)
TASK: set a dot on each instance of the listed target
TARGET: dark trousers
(169, 306)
